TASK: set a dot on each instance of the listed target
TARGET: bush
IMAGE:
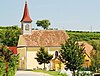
(12, 66)
(83, 73)
(8, 62)
(2, 67)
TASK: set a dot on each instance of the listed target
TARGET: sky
(80, 15)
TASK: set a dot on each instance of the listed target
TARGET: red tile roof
(13, 49)
(88, 47)
(26, 16)
(46, 38)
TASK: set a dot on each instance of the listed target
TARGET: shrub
(12, 66)
(8, 62)
(2, 67)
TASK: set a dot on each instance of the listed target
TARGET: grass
(53, 73)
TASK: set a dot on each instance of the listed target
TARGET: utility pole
(91, 28)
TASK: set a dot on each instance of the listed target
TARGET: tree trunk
(6, 68)
(44, 67)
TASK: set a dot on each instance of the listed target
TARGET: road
(30, 73)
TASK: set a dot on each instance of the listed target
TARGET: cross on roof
(26, 1)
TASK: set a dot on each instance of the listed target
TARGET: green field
(86, 36)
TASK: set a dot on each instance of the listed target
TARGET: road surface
(30, 73)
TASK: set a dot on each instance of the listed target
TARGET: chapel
(30, 42)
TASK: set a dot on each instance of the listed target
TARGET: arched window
(56, 54)
(27, 27)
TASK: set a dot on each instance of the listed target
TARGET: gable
(21, 41)
(88, 48)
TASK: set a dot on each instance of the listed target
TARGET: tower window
(27, 27)
(56, 54)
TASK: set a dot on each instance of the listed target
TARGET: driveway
(30, 73)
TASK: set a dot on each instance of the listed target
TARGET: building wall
(29, 54)
(29, 62)
(87, 61)
(22, 61)
(57, 65)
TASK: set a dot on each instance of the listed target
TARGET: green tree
(72, 54)
(2, 66)
(9, 35)
(8, 59)
(43, 23)
(95, 44)
(95, 55)
(43, 57)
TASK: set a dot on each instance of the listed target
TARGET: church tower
(26, 22)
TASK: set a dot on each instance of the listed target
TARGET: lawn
(53, 73)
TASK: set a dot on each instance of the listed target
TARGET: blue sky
(63, 14)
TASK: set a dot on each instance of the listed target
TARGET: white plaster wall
(32, 62)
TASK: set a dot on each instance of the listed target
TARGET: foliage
(92, 38)
(43, 56)
(95, 44)
(43, 23)
(84, 36)
(9, 27)
(83, 74)
(8, 60)
(95, 55)
(95, 67)
(72, 54)
(2, 66)
(9, 35)
(53, 29)
(13, 64)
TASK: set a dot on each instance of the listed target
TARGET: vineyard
(84, 36)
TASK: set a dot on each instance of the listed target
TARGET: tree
(8, 60)
(43, 57)
(95, 56)
(43, 23)
(2, 66)
(72, 54)
(9, 35)
(95, 61)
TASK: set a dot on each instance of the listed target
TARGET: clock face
(27, 27)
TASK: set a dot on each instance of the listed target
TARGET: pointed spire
(26, 2)
(26, 16)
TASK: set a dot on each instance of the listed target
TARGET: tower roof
(26, 16)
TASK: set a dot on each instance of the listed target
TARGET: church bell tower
(26, 22)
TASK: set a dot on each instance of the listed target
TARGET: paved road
(29, 73)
